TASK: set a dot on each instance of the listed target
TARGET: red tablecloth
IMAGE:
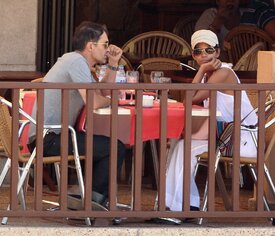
(150, 123)
(126, 123)
(28, 102)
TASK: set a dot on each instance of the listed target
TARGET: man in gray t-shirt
(91, 46)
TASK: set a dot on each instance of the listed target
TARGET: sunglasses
(106, 44)
(199, 51)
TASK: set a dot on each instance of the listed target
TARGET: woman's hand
(211, 66)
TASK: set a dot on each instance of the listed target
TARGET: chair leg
(20, 193)
(271, 184)
(254, 176)
(205, 194)
(57, 174)
(197, 167)
(269, 179)
(241, 177)
(5, 171)
(204, 202)
(79, 173)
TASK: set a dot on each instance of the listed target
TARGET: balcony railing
(137, 212)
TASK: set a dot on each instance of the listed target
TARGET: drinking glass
(154, 77)
(132, 77)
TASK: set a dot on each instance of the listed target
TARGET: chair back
(159, 64)
(241, 38)
(249, 62)
(270, 151)
(269, 118)
(159, 43)
(185, 27)
(126, 63)
(5, 130)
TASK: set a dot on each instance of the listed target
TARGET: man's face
(100, 49)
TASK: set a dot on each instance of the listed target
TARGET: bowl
(147, 101)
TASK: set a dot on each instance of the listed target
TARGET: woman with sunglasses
(206, 51)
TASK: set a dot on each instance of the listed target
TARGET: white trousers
(174, 174)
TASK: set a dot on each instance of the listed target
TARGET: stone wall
(18, 33)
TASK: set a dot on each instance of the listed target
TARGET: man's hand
(114, 54)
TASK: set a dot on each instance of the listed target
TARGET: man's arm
(99, 100)
(114, 55)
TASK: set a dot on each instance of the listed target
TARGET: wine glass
(154, 77)
(132, 77)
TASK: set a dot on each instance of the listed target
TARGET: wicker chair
(162, 64)
(185, 27)
(248, 61)
(157, 43)
(250, 162)
(158, 63)
(126, 63)
(29, 159)
(243, 37)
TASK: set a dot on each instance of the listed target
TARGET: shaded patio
(51, 199)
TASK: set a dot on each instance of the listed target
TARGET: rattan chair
(185, 27)
(126, 63)
(248, 61)
(28, 160)
(157, 43)
(241, 38)
(250, 162)
(159, 64)
(162, 64)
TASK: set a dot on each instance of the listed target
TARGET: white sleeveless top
(225, 104)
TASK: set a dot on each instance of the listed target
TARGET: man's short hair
(87, 31)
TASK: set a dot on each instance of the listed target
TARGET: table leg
(155, 165)
(155, 160)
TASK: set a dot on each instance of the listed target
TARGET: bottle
(120, 75)
(100, 72)
(121, 78)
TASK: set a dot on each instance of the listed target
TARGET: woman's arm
(209, 69)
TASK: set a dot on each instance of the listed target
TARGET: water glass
(132, 77)
(154, 77)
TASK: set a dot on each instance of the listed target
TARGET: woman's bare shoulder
(221, 75)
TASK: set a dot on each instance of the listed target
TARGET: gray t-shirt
(70, 68)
